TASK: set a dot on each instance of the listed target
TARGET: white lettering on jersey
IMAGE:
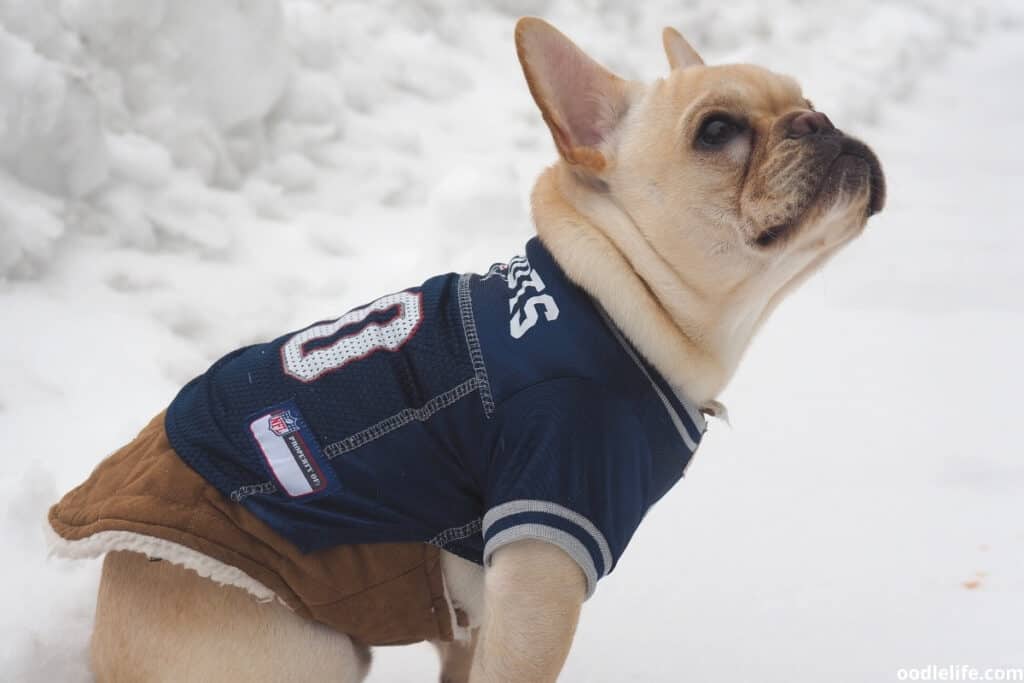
(308, 365)
(520, 278)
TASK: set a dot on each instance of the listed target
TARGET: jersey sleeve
(570, 467)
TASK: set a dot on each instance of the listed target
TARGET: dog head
(721, 185)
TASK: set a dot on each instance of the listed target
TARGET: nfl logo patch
(282, 422)
(290, 451)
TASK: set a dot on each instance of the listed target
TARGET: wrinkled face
(730, 172)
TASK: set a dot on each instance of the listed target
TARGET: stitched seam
(416, 568)
(400, 419)
(456, 533)
(476, 356)
(372, 433)
(243, 492)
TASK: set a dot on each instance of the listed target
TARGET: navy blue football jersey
(468, 413)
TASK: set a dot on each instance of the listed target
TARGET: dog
(677, 217)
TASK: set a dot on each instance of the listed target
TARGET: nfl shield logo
(283, 422)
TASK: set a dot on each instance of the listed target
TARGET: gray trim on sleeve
(514, 507)
(541, 532)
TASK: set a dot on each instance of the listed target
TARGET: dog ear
(679, 52)
(580, 100)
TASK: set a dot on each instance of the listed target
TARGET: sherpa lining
(103, 542)
(145, 499)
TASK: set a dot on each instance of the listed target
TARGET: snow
(179, 178)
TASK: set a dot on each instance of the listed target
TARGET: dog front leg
(533, 593)
(456, 659)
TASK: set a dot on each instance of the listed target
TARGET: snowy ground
(180, 178)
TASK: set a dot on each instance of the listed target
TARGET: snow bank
(178, 178)
(110, 110)
(108, 104)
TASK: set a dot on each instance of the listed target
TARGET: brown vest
(379, 594)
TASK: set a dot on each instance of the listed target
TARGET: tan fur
(533, 598)
(679, 52)
(464, 582)
(666, 249)
(562, 108)
(668, 238)
(456, 660)
(156, 621)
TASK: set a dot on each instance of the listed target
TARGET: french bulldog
(681, 212)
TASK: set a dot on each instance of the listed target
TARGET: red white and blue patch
(291, 452)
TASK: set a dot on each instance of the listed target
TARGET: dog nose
(809, 123)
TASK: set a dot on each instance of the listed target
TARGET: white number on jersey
(308, 365)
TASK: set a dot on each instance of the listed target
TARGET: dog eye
(718, 130)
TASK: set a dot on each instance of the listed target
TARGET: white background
(180, 177)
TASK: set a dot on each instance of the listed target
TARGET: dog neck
(632, 284)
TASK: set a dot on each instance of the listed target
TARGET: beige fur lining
(104, 542)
